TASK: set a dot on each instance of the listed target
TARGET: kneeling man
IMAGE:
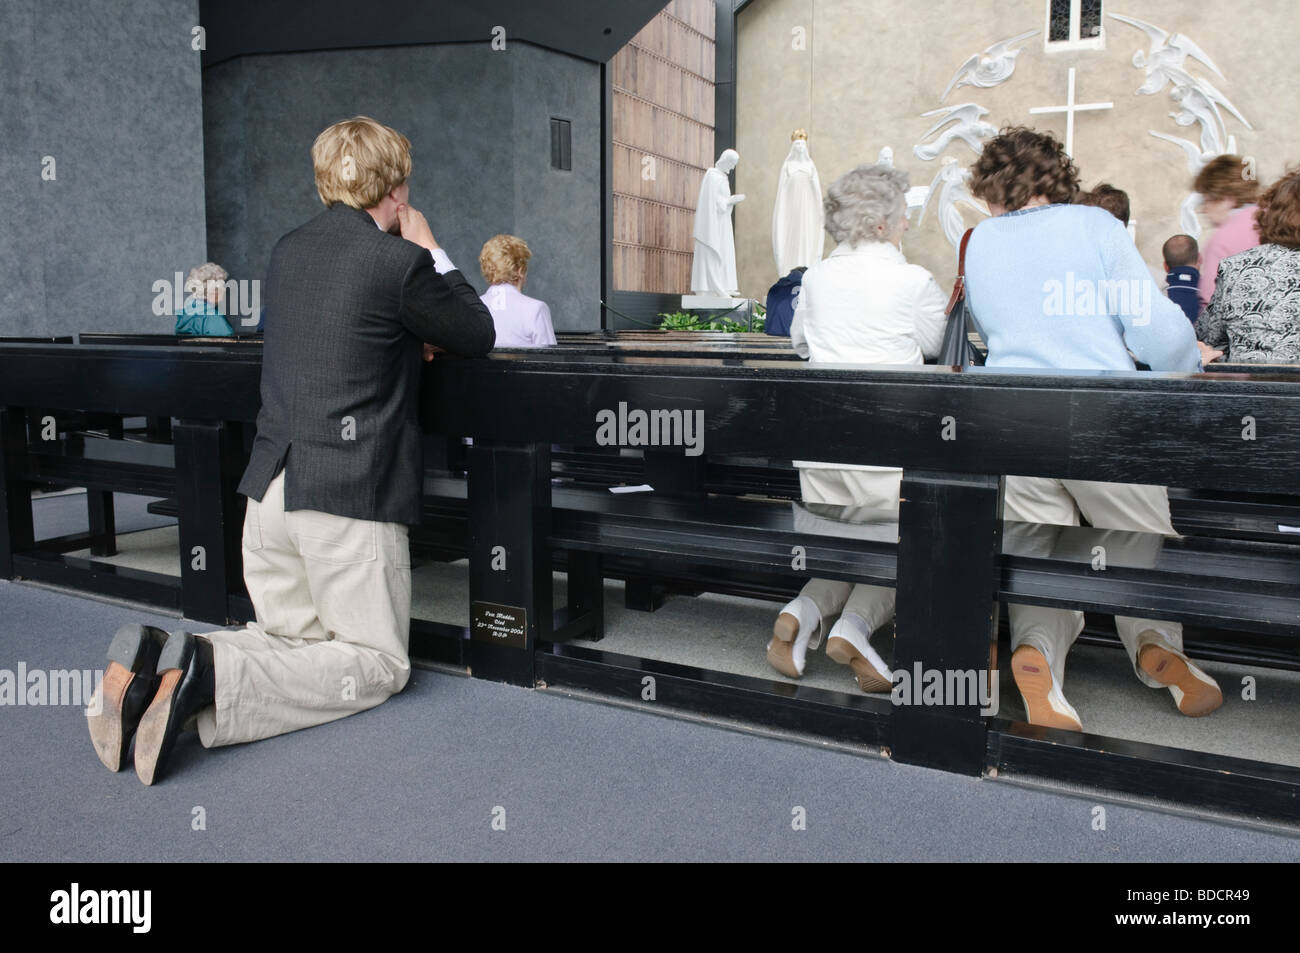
(358, 296)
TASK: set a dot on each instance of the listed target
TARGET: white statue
(950, 186)
(994, 67)
(1196, 160)
(798, 220)
(969, 128)
(1167, 50)
(1188, 220)
(1198, 101)
(714, 269)
(885, 157)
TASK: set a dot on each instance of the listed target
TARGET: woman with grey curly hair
(205, 286)
(864, 205)
(862, 304)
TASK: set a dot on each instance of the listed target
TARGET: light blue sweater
(1063, 286)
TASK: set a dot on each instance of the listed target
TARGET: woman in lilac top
(520, 321)
(1228, 201)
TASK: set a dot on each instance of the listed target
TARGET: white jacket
(864, 304)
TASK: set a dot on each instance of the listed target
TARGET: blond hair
(503, 258)
(359, 161)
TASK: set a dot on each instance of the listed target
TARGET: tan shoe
(1045, 703)
(846, 646)
(781, 650)
(1195, 692)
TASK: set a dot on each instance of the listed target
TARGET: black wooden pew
(1182, 430)
(954, 560)
(212, 391)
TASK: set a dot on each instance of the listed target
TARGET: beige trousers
(875, 490)
(332, 597)
(1122, 506)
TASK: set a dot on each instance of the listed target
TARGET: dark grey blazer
(347, 309)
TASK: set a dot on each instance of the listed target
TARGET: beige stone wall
(869, 70)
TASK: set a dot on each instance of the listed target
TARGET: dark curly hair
(1108, 197)
(1278, 215)
(1021, 163)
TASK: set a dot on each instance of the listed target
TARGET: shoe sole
(1195, 697)
(153, 726)
(780, 655)
(869, 680)
(124, 656)
(106, 727)
(780, 651)
(1034, 680)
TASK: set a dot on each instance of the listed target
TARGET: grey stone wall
(112, 93)
(479, 124)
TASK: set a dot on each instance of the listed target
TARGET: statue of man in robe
(798, 220)
(714, 269)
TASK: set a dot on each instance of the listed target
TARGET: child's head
(1180, 252)
(1110, 198)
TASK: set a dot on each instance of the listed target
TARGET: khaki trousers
(873, 490)
(332, 597)
(1122, 506)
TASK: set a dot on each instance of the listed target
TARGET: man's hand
(1208, 354)
(415, 227)
(430, 350)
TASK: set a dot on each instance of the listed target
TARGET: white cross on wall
(1070, 108)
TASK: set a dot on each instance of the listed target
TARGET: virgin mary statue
(798, 221)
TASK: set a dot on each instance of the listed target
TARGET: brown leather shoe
(129, 683)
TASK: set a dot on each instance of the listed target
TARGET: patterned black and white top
(1254, 315)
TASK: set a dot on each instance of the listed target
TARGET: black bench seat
(1237, 585)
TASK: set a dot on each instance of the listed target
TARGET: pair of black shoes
(153, 683)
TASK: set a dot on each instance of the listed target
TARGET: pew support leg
(103, 522)
(509, 558)
(586, 592)
(950, 539)
(642, 595)
(16, 529)
(210, 516)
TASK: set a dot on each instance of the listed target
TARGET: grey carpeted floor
(729, 634)
(422, 776)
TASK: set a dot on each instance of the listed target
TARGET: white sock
(809, 616)
(855, 630)
(810, 620)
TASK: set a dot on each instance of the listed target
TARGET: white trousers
(332, 597)
(875, 490)
(1123, 506)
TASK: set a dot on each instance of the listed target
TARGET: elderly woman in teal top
(1062, 287)
(202, 313)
